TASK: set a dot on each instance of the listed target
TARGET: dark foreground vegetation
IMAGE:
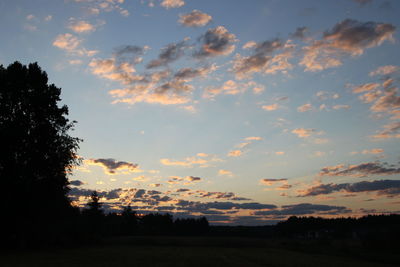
(37, 154)
(204, 251)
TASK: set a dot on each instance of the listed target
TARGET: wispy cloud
(390, 188)
(235, 153)
(348, 37)
(360, 170)
(230, 87)
(305, 209)
(305, 107)
(271, 107)
(202, 159)
(98, 6)
(391, 130)
(303, 132)
(270, 182)
(223, 172)
(169, 54)
(72, 45)
(384, 70)
(264, 59)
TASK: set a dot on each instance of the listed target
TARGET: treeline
(91, 225)
(128, 222)
(370, 227)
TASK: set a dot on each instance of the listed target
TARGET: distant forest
(38, 153)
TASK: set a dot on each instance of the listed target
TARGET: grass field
(184, 251)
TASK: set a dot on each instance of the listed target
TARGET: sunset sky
(245, 112)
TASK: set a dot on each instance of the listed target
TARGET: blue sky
(246, 112)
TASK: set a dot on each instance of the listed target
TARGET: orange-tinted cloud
(195, 18)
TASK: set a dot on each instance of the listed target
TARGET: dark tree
(94, 206)
(94, 216)
(37, 152)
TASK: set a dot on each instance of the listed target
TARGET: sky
(246, 112)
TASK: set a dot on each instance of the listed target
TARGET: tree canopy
(37, 152)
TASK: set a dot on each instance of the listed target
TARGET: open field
(183, 251)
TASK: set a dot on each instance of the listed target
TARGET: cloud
(172, 3)
(373, 151)
(95, 7)
(360, 170)
(195, 18)
(180, 190)
(159, 87)
(67, 42)
(305, 209)
(271, 107)
(337, 107)
(220, 195)
(201, 206)
(72, 44)
(203, 160)
(348, 37)
(300, 33)
(75, 62)
(305, 107)
(270, 182)
(30, 17)
(253, 138)
(184, 180)
(81, 26)
(229, 87)
(388, 188)
(235, 153)
(304, 133)
(323, 95)
(188, 73)
(365, 87)
(225, 172)
(387, 101)
(193, 178)
(111, 166)
(262, 59)
(249, 45)
(76, 183)
(170, 53)
(186, 163)
(384, 70)
(216, 42)
(391, 130)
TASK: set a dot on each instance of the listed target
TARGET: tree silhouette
(94, 205)
(94, 216)
(129, 220)
(37, 152)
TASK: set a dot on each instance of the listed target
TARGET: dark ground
(204, 251)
